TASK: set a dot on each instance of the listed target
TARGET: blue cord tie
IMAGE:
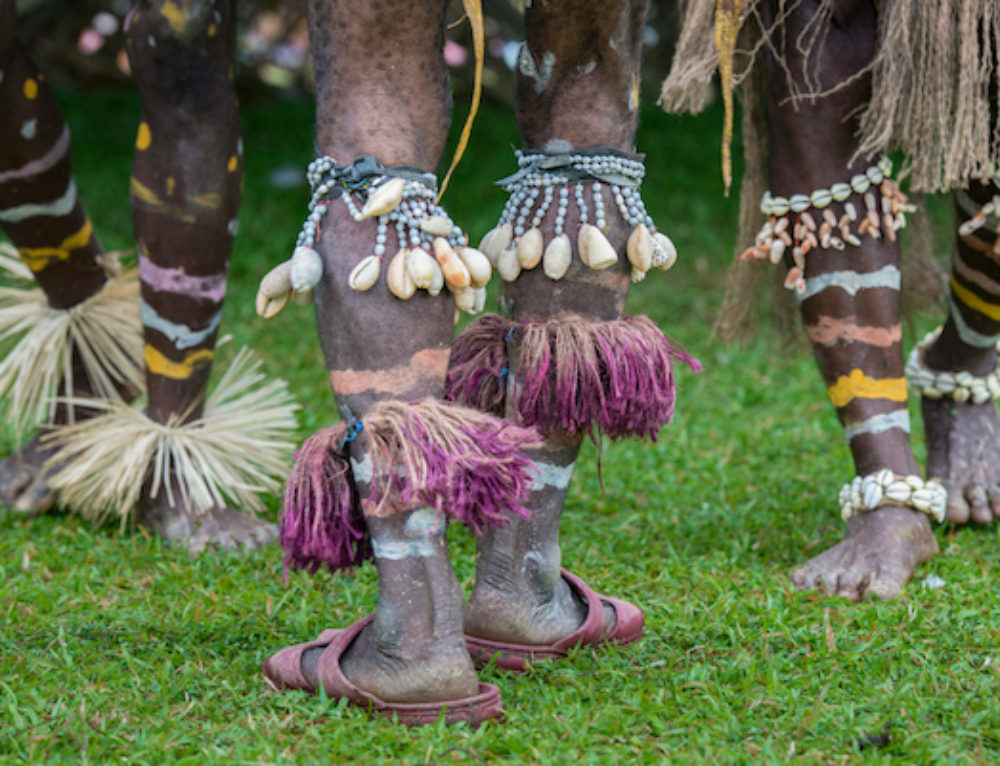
(354, 427)
(503, 373)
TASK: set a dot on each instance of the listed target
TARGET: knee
(180, 49)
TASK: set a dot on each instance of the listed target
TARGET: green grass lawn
(116, 648)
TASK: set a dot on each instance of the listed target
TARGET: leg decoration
(792, 225)
(516, 243)
(466, 464)
(100, 336)
(575, 375)
(400, 196)
(866, 493)
(234, 451)
(961, 386)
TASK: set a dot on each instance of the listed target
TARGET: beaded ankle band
(961, 386)
(544, 179)
(791, 225)
(866, 493)
(399, 196)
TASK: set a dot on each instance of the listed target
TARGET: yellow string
(474, 10)
(727, 29)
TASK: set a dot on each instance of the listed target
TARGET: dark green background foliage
(116, 648)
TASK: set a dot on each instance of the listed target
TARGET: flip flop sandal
(283, 670)
(517, 657)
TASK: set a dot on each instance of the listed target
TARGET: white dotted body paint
(29, 128)
(852, 282)
(540, 74)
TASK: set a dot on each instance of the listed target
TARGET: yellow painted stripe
(144, 193)
(974, 302)
(158, 364)
(857, 385)
(37, 258)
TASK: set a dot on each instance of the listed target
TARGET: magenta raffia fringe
(574, 374)
(321, 520)
(475, 368)
(468, 464)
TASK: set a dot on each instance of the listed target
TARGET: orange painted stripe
(829, 330)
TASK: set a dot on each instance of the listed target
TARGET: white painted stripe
(43, 163)
(966, 333)
(57, 207)
(852, 282)
(394, 550)
(181, 335)
(362, 470)
(877, 424)
(551, 475)
(424, 522)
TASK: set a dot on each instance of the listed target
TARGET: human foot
(218, 527)
(963, 447)
(23, 485)
(877, 557)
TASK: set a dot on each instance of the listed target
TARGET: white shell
(777, 249)
(872, 496)
(465, 299)
(384, 199)
(421, 267)
(798, 202)
(637, 274)
(278, 281)
(840, 191)
(557, 258)
(595, 250)
(922, 499)
(480, 299)
(365, 274)
(455, 274)
(530, 247)
(437, 279)
(478, 265)
(437, 226)
(397, 277)
(507, 264)
(639, 248)
(666, 252)
(306, 269)
(271, 305)
(495, 241)
(898, 491)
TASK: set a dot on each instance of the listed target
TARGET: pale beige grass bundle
(238, 448)
(104, 332)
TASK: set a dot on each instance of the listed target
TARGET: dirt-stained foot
(220, 528)
(963, 450)
(441, 670)
(23, 482)
(877, 557)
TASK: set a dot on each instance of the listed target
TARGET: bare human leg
(185, 187)
(963, 433)
(41, 212)
(382, 90)
(585, 55)
(849, 302)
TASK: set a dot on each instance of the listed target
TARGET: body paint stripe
(829, 330)
(857, 385)
(362, 469)
(181, 335)
(429, 363)
(37, 258)
(877, 424)
(158, 364)
(550, 475)
(55, 208)
(967, 334)
(394, 550)
(973, 301)
(147, 196)
(852, 282)
(978, 278)
(169, 280)
(43, 163)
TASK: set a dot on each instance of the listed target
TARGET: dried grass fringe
(237, 449)
(104, 332)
